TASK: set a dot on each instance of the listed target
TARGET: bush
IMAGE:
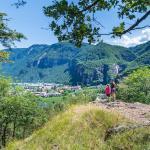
(84, 96)
(136, 87)
(59, 107)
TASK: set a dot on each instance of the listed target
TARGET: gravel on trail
(137, 112)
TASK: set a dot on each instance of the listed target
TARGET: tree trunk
(24, 131)
(4, 135)
(14, 130)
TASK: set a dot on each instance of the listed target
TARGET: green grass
(79, 97)
(56, 105)
(84, 128)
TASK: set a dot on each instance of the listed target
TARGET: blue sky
(30, 20)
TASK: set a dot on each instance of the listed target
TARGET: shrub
(59, 107)
(136, 87)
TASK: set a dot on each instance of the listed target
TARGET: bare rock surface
(136, 112)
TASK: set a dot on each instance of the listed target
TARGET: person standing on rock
(113, 90)
(108, 91)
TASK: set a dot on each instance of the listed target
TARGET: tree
(7, 36)
(136, 87)
(20, 112)
(4, 87)
(75, 21)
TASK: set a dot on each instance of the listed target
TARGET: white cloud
(128, 40)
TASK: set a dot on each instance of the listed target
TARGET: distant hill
(143, 53)
(67, 64)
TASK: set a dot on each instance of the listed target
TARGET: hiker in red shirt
(108, 91)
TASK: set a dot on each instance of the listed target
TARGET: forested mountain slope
(67, 64)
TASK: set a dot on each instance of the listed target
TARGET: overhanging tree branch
(78, 18)
(136, 23)
(90, 6)
(138, 28)
(132, 27)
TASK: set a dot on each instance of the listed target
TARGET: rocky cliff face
(99, 75)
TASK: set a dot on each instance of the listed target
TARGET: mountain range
(64, 63)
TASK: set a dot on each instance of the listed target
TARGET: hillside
(64, 63)
(143, 54)
(86, 127)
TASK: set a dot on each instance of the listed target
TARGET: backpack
(108, 90)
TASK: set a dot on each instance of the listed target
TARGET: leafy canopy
(140, 80)
(76, 21)
(7, 36)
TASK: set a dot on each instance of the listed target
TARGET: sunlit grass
(84, 128)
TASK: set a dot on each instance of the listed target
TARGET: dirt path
(137, 112)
